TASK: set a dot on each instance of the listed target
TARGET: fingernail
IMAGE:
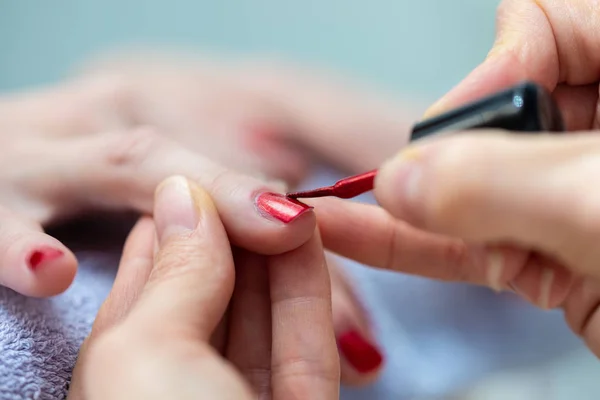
(174, 210)
(43, 255)
(359, 352)
(281, 207)
(402, 176)
(494, 269)
(546, 288)
(411, 170)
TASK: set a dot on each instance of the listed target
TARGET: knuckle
(298, 372)
(456, 254)
(259, 377)
(184, 258)
(109, 100)
(225, 182)
(131, 149)
(177, 258)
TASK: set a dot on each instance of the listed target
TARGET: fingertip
(50, 269)
(284, 223)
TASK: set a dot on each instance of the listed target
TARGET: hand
(555, 43)
(261, 114)
(75, 167)
(68, 175)
(250, 115)
(528, 203)
(168, 329)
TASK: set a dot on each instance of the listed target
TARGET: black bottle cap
(526, 108)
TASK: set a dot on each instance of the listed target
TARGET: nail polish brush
(526, 108)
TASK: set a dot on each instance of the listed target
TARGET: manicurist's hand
(181, 322)
(511, 212)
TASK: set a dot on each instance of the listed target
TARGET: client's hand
(45, 177)
(83, 151)
(257, 113)
(179, 324)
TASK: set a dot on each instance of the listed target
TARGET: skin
(526, 218)
(277, 345)
(112, 133)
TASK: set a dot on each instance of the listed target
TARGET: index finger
(122, 169)
(305, 363)
(370, 235)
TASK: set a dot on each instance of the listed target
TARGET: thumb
(532, 191)
(192, 279)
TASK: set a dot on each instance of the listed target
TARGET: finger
(132, 275)
(361, 359)
(249, 345)
(582, 312)
(121, 171)
(351, 127)
(579, 106)
(305, 363)
(533, 191)
(166, 332)
(547, 41)
(134, 268)
(32, 262)
(370, 235)
(309, 110)
(68, 109)
(543, 281)
(192, 279)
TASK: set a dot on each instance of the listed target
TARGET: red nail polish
(363, 356)
(43, 254)
(281, 207)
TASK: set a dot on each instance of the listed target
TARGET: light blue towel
(437, 337)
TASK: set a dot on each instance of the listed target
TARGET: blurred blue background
(415, 48)
(421, 47)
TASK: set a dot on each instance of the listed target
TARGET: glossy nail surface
(281, 207)
(359, 352)
(43, 255)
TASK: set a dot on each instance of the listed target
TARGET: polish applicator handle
(524, 108)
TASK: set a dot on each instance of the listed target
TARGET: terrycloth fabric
(436, 337)
(39, 338)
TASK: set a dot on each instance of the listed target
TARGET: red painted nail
(43, 254)
(363, 356)
(281, 207)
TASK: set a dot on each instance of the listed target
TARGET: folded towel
(40, 338)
